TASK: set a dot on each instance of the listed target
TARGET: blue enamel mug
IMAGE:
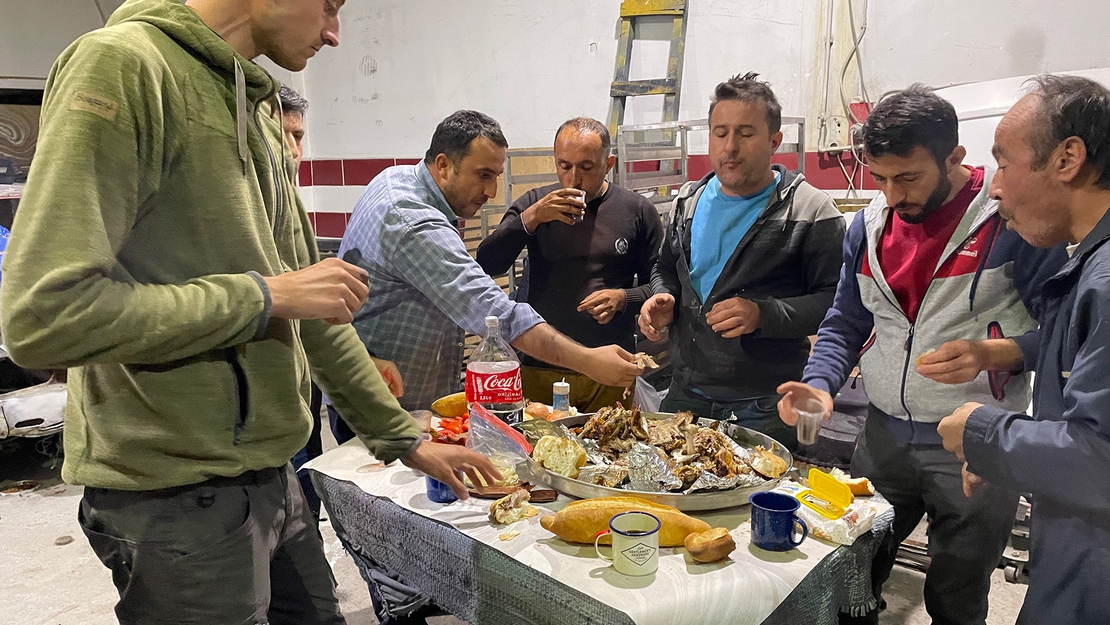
(774, 518)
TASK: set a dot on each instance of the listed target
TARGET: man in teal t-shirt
(721, 221)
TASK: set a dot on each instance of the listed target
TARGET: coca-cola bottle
(493, 376)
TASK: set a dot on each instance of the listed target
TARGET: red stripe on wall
(822, 170)
(360, 172)
(330, 224)
(327, 173)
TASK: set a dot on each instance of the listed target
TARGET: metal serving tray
(708, 500)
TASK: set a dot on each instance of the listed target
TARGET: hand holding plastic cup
(582, 197)
(811, 412)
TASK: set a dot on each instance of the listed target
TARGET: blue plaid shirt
(425, 288)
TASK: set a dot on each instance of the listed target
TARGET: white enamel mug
(635, 537)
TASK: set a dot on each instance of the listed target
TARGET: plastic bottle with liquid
(493, 376)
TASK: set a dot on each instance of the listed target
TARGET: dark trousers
(966, 536)
(760, 413)
(243, 550)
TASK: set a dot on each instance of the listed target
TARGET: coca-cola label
(494, 388)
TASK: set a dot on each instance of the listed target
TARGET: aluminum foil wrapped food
(709, 481)
(611, 475)
(593, 451)
(648, 472)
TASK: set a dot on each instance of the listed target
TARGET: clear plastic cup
(811, 412)
(582, 196)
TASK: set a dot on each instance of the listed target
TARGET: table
(453, 554)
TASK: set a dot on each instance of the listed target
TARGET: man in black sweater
(590, 257)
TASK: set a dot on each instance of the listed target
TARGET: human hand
(951, 428)
(565, 205)
(603, 305)
(444, 462)
(332, 290)
(973, 484)
(955, 362)
(391, 374)
(794, 392)
(611, 365)
(734, 317)
(656, 314)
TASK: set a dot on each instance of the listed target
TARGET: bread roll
(536, 410)
(710, 546)
(511, 508)
(860, 486)
(581, 520)
(559, 455)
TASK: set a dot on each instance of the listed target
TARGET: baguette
(581, 520)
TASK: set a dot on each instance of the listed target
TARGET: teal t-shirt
(720, 222)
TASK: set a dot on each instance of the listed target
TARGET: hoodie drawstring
(241, 113)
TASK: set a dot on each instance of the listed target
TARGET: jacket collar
(1087, 247)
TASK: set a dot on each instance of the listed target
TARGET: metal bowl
(707, 500)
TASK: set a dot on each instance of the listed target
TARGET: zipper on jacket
(279, 196)
(907, 346)
(242, 391)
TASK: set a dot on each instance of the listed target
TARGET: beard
(935, 201)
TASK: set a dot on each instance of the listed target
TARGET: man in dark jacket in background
(591, 248)
(1053, 182)
(748, 269)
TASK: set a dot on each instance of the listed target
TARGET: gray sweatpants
(966, 536)
(242, 550)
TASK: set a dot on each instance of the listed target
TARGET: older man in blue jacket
(1053, 182)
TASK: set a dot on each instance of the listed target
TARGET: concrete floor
(52, 577)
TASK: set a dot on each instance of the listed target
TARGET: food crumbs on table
(509, 535)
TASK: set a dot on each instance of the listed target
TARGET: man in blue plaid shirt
(426, 290)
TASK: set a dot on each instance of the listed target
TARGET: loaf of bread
(581, 520)
(710, 546)
(559, 455)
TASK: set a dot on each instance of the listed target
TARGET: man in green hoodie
(161, 255)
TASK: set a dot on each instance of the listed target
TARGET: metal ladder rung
(638, 8)
(633, 88)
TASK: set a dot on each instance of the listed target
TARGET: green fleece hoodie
(157, 201)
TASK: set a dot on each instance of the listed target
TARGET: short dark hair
(746, 88)
(585, 125)
(454, 135)
(910, 119)
(291, 101)
(1072, 106)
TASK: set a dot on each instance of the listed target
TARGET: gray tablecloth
(482, 585)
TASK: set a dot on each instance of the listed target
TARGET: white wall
(34, 32)
(403, 65)
(950, 42)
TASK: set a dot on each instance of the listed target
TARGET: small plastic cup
(582, 217)
(811, 412)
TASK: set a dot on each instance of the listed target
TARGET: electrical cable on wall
(857, 39)
(100, 10)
